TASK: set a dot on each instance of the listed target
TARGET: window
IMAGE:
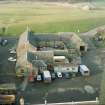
(82, 48)
(85, 71)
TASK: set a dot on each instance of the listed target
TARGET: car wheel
(13, 104)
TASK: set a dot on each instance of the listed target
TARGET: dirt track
(92, 32)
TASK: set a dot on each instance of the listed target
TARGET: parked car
(66, 75)
(46, 76)
(11, 59)
(84, 70)
(12, 52)
(53, 76)
(39, 78)
(59, 74)
(3, 42)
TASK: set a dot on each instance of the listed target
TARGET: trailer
(84, 70)
(59, 58)
(46, 76)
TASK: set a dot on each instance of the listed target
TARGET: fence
(95, 102)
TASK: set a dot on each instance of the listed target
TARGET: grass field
(44, 17)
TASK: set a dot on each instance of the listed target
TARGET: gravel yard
(60, 90)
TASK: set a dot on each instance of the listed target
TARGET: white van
(84, 70)
(46, 76)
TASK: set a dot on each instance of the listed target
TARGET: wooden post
(45, 102)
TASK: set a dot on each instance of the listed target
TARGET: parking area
(60, 90)
(7, 73)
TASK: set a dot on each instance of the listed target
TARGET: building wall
(64, 68)
(75, 39)
(45, 55)
(23, 47)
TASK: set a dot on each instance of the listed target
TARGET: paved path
(93, 31)
(24, 84)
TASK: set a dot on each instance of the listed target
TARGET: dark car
(67, 75)
(53, 76)
(0, 40)
(3, 42)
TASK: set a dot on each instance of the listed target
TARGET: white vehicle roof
(39, 77)
(12, 51)
(46, 74)
(59, 57)
(59, 73)
(84, 67)
(11, 59)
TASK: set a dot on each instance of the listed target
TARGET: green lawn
(43, 17)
